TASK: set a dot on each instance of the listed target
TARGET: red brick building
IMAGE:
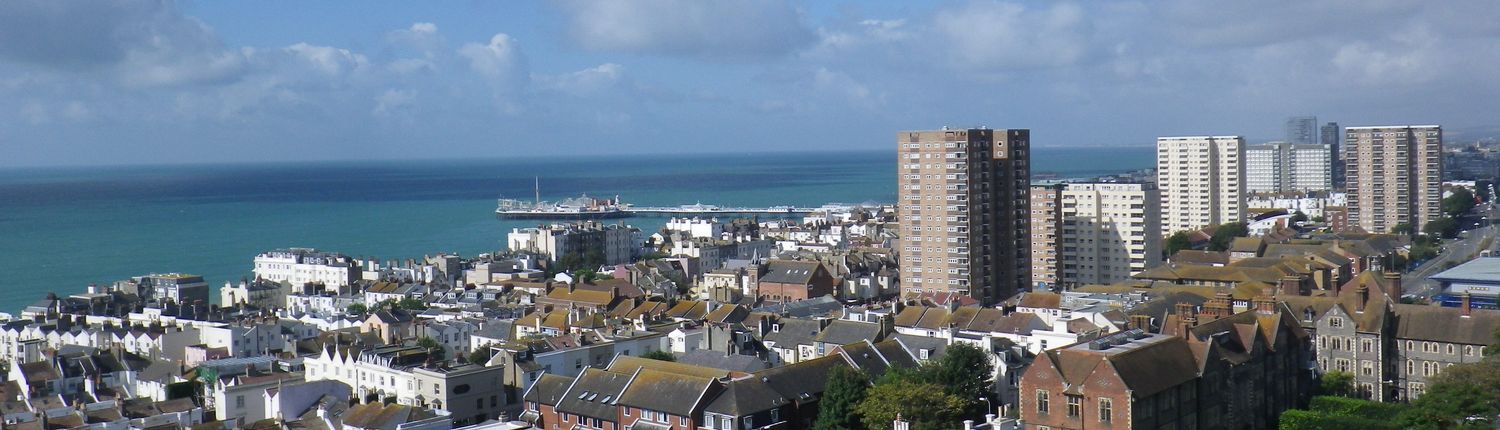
(792, 280)
(1213, 370)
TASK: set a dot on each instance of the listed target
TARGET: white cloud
(733, 29)
(328, 60)
(499, 59)
(392, 101)
(584, 81)
(985, 36)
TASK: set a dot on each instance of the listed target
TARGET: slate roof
(844, 332)
(803, 381)
(746, 396)
(790, 272)
(793, 332)
(1441, 324)
(864, 356)
(548, 390)
(593, 394)
(673, 393)
(719, 360)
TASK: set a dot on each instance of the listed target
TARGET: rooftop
(1476, 270)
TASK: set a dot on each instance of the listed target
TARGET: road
(1457, 251)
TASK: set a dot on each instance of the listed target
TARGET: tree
(1450, 406)
(357, 309)
(964, 370)
(845, 390)
(926, 406)
(659, 355)
(1444, 227)
(1177, 242)
(481, 356)
(432, 346)
(1461, 202)
(1337, 384)
(1403, 228)
(1225, 234)
(1299, 217)
(411, 304)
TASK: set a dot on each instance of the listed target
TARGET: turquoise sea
(64, 228)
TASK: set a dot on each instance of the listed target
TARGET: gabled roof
(1040, 299)
(630, 364)
(593, 394)
(548, 390)
(1147, 366)
(803, 381)
(689, 310)
(728, 314)
(673, 393)
(791, 272)
(1441, 324)
(844, 332)
(790, 332)
(746, 396)
(1192, 256)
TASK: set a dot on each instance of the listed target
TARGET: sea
(64, 228)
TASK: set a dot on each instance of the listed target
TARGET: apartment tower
(1110, 231)
(1394, 175)
(1046, 220)
(1332, 136)
(963, 209)
(1278, 167)
(1201, 180)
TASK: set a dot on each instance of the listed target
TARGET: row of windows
(1075, 406)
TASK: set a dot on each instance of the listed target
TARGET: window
(239, 401)
(1105, 409)
(627, 412)
(1366, 345)
(1336, 322)
(726, 423)
(1041, 401)
(1075, 405)
(1450, 349)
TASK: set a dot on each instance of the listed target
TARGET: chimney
(1291, 286)
(1187, 318)
(1142, 322)
(1364, 296)
(1464, 306)
(1393, 285)
(1265, 305)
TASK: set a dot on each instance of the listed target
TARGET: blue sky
(142, 82)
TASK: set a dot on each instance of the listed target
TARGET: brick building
(1208, 370)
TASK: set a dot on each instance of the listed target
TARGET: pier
(713, 210)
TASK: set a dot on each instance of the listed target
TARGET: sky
(162, 82)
